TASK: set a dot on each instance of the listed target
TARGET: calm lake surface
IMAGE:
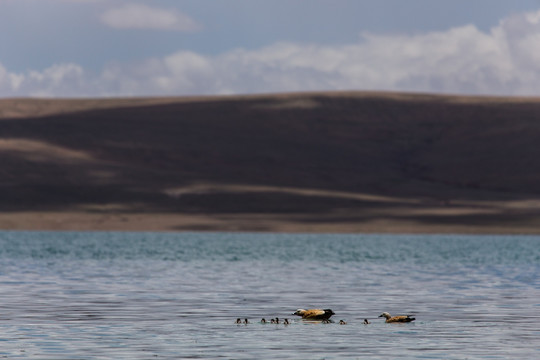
(76, 295)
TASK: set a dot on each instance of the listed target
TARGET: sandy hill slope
(345, 161)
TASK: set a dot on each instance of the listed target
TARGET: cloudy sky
(81, 48)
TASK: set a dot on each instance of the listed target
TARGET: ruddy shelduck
(314, 314)
(396, 319)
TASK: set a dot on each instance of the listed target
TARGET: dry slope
(350, 161)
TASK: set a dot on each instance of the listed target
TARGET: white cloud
(503, 61)
(9, 82)
(57, 80)
(137, 16)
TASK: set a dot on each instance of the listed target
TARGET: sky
(107, 48)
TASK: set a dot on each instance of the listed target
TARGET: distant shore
(73, 221)
(327, 162)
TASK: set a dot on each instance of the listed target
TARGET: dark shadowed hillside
(298, 162)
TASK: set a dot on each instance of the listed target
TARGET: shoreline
(140, 222)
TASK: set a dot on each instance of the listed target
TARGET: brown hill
(340, 162)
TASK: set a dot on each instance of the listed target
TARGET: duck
(342, 322)
(263, 321)
(238, 321)
(314, 314)
(396, 319)
(246, 321)
(286, 322)
(366, 322)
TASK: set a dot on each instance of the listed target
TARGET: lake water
(84, 295)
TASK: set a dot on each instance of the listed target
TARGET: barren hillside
(353, 161)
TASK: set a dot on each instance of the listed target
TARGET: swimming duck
(246, 321)
(342, 322)
(238, 321)
(277, 320)
(272, 321)
(366, 322)
(394, 319)
(314, 314)
(286, 322)
(263, 321)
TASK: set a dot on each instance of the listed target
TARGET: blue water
(169, 296)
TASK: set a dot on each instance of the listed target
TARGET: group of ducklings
(287, 321)
(264, 321)
(324, 315)
(239, 321)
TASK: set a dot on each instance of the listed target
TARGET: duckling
(277, 320)
(286, 322)
(342, 322)
(238, 321)
(263, 321)
(272, 321)
(246, 321)
(394, 319)
(366, 321)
